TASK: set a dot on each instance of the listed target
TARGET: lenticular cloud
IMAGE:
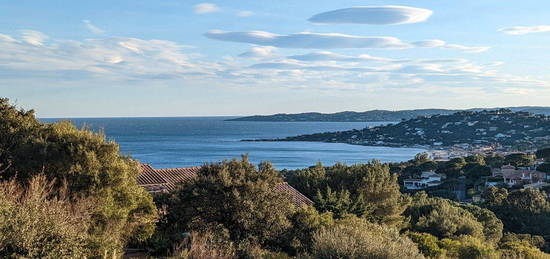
(388, 14)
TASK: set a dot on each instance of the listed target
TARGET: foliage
(38, 221)
(533, 240)
(204, 246)
(519, 159)
(90, 165)
(233, 199)
(353, 237)
(373, 191)
(543, 154)
(522, 211)
(427, 244)
(340, 203)
(306, 222)
(521, 249)
(446, 219)
(544, 167)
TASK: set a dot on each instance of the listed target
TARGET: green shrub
(353, 237)
(37, 221)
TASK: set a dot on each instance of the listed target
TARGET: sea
(194, 141)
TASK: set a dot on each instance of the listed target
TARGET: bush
(353, 237)
(38, 221)
(204, 246)
(90, 165)
(234, 199)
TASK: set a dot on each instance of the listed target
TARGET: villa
(427, 179)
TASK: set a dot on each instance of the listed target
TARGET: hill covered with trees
(500, 127)
(374, 115)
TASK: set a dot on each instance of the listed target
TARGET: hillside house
(427, 179)
(165, 180)
(518, 176)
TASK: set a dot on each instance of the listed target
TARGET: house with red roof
(165, 180)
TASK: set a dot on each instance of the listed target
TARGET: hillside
(500, 127)
(374, 115)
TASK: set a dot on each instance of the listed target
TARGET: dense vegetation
(88, 166)
(374, 115)
(501, 127)
(68, 193)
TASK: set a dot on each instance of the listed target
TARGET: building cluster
(526, 176)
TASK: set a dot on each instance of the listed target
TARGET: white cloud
(122, 60)
(521, 30)
(114, 57)
(469, 49)
(204, 8)
(308, 40)
(35, 38)
(331, 56)
(389, 14)
(94, 29)
(312, 40)
(245, 13)
(443, 44)
(258, 52)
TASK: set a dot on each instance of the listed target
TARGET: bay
(193, 141)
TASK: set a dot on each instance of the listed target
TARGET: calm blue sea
(193, 141)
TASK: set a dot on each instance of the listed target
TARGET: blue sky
(192, 58)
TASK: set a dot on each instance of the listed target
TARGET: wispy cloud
(35, 38)
(115, 57)
(331, 56)
(94, 29)
(521, 30)
(258, 52)
(307, 40)
(312, 40)
(122, 59)
(245, 13)
(389, 14)
(204, 8)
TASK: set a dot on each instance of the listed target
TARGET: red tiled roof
(297, 197)
(165, 180)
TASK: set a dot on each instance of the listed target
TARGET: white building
(427, 179)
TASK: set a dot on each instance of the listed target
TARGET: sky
(194, 58)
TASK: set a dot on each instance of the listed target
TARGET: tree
(453, 168)
(306, 222)
(90, 165)
(544, 167)
(519, 159)
(475, 171)
(355, 238)
(494, 161)
(523, 211)
(447, 219)
(233, 199)
(543, 154)
(475, 159)
(340, 203)
(370, 184)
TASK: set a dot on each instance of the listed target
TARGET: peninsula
(375, 115)
(501, 128)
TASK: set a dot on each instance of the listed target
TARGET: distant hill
(503, 128)
(376, 115)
